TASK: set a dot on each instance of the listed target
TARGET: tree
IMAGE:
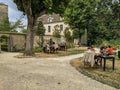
(15, 26)
(23, 30)
(56, 32)
(34, 9)
(98, 17)
(100, 23)
(79, 15)
(40, 31)
(4, 24)
(115, 24)
(67, 34)
(108, 20)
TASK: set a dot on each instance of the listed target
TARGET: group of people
(50, 47)
(104, 50)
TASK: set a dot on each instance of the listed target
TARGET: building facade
(50, 22)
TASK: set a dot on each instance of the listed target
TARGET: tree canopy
(79, 15)
(99, 17)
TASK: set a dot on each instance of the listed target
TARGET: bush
(70, 45)
(4, 47)
(38, 49)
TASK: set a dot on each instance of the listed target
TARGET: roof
(50, 18)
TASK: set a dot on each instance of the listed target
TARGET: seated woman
(110, 50)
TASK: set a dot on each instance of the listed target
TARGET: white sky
(13, 12)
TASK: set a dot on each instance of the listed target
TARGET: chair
(88, 59)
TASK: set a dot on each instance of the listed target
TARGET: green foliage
(24, 30)
(4, 44)
(4, 25)
(115, 42)
(40, 29)
(80, 15)
(67, 34)
(56, 32)
(38, 49)
(40, 6)
(14, 26)
(99, 17)
(70, 45)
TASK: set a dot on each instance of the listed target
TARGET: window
(61, 27)
(49, 29)
(50, 19)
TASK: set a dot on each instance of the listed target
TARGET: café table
(105, 58)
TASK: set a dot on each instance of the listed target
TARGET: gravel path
(43, 74)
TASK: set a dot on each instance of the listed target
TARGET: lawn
(109, 76)
(70, 51)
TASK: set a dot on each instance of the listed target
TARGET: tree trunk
(29, 51)
(42, 40)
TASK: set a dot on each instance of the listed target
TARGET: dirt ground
(43, 74)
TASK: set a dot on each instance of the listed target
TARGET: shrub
(70, 45)
(38, 49)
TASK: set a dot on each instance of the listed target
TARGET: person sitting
(110, 50)
(104, 51)
(51, 45)
(51, 42)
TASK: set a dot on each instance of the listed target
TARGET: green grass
(71, 51)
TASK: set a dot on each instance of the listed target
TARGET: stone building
(49, 22)
(3, 10)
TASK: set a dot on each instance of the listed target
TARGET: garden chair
(88, 59)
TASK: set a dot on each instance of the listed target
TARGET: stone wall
(47, 38)
(18, 42)
(15, 41)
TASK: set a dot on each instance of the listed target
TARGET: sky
(13, 13)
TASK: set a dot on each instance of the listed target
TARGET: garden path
(44, 74)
